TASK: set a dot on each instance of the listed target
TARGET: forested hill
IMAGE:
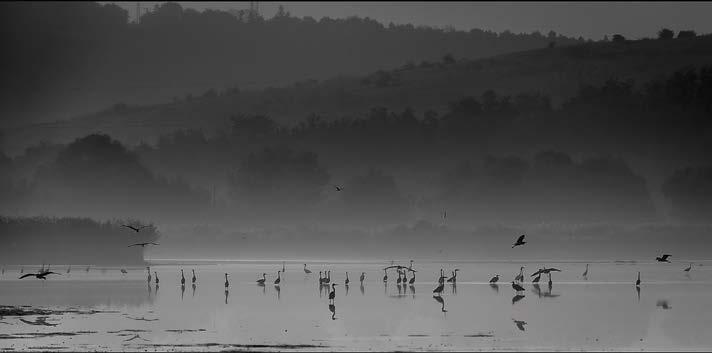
(557, 72)
(63, 59)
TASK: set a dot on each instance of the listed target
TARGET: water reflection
(453, 288)
(517, 298)
(495, 287)
(279, 290)
(227, 292)
(363, 291)
(332, 308)
(193, 286)
(536, 289)
(412, 290)
(663, 304)
(440, 300)
(347, 289)
(182, 291)
(40, 321)
(637, 290)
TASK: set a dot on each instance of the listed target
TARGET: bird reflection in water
(412, 290)
(347, 289)
(663, 304)
(440, 300)
(279, 290)
(536, 289)
(495, 287)
(194, 286)
(453, 288)
(332, 308)
(363, 290)
(182, 291)
(227, 292)
(517, 298)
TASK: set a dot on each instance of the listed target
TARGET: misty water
(104, 309)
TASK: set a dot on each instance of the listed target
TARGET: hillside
(557, 72)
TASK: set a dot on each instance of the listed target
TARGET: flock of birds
(325, 280)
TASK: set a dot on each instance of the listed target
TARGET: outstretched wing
(26, 275)
(521, 237)
(130, 227)
(536, 273)
(153, 243)
(665, 257)
(146, 226)
(553, 269)
(137, 244)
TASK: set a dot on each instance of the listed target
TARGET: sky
(588, 19)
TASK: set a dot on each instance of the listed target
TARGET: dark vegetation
(36, 240)
(89, 56)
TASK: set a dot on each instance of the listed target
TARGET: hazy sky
(588, 19)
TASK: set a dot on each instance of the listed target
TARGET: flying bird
(143, 244)
(664, 258)
(520, 324)
(41, 275)
(637, 283)
(338, 188)
(520, 241)
(135, 229)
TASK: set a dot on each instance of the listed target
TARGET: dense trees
(689, 191)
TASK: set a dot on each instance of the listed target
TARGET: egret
(520, 276)
(517, 287)
(182, 278)
(148, 269)
(332, 294)
(279, 279)
(439, 289)
(405, 277)
(398, 281)
(262, 280)
(520, 241)
(637, 283)
(412, 279)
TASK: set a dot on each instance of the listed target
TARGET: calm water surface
(672, 310)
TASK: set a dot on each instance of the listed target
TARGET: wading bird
(227, 283)
(520, 241)
(385, 276)
(686, 269)
(346, 282)
(537, 278)
(520, 276)
(143, 245)
(306, 270)
(148, 279)
(332, 294)
(262, 280)
(441, 279)
(156, 275)
(453, 279)
(363, 276)
(664, 258)
(517, 287)
(279, 279)
(398, 281)
(549, 279)
(321, 279)
(494, 279)
(182, 278)
(194, 277)
(412, 279)
(439, 289)
(123, 271)
(135, 229)
(637, 283)
(585, 273)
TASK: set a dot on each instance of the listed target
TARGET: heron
(494, 279)
(453, 279)
(194, 277)
(663, 258)
(585, 273)
(306, 270)
(686, 269)
(156, 275)
(637, 283)
(182, 278)
(262, 280)
(363, 276)
(346, 282)
(439, 289)
(520, 241)
(405, 277)
(520, 276)
(332, 294)
(385, 276)
(227, 284)
(338, 188)
(135, 229)
(279, 278)
(283, 269)
(517, 287)
(143, 245)
(398, 281)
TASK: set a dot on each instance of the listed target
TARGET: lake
(104, 309)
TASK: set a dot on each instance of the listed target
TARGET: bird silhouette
(520, 324)
(346, 281)
(156, 275)
(148, 279)
(338, 188)
(124, 271)
(306, 270)
(494, 279)
(143, 244)
(227, 283)
(332, 294)
(664, 258)
(517, 287)
(439, 289)
(135, 229)
(520, 241)
(688, 268)
(637, 283)
(41, 275)
(412, 280)
(585, 273)
(279, 279)
(262, 280)
(520, 276)
(453, 279)
(385, 276)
